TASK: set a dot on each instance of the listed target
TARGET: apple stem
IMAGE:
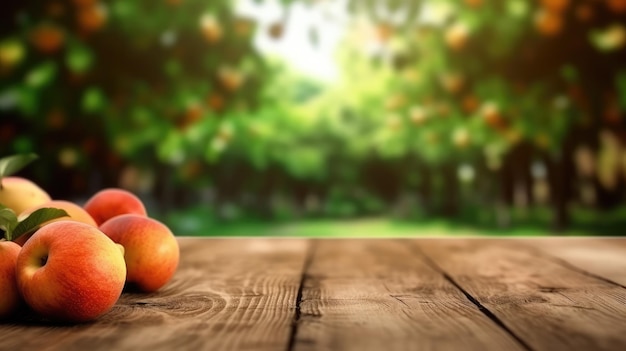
(44, 260)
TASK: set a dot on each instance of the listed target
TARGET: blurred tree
(464, 104)
(96, 86)
(513, 83)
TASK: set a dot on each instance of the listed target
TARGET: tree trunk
(425, 189)
(450, 191)
(560, 175)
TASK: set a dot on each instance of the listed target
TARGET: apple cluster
(75, 268)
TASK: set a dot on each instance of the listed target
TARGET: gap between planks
(525, 282)
(484, 310)
(318, 262)
(310, 252)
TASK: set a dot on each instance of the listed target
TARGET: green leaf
(36, 219)
(11, 164)
(79, 59)
(28, 101)
(8, 221)
(41, 75)
(93, 100)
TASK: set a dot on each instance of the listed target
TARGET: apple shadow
(27, 317)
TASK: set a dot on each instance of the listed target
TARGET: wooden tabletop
(365, 294)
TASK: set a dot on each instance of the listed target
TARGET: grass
(200, 222)
(195, 225)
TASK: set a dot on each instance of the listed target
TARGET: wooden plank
(604, 257)
(545, 303)
(379, 295)
(226, 294)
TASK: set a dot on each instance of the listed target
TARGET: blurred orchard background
(324, 117)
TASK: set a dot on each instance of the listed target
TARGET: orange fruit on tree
(556, 6)
(456, 36)
(452, 83)
(192, 115)
(384, 32)
(584, 12)
(211, 28)
(418, 115)
(47, 38)
(91, 18)
(216, 102)
(194, 112)
(492, 116)
(548, 23)
(461, 138)
(469, 104)
(616, 6)
(230, 78)
(473, 3)
(243, 26)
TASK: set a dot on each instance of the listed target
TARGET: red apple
(10, 299)
(112, 202)
(150, 249)
(70, 271)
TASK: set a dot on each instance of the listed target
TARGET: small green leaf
(11, 164)
(8, 221)
(36, 219)
(41, 75)
(79, 59)
(93, 100)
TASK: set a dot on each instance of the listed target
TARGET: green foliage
(426, 85)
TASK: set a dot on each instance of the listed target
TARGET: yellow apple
(20, 194)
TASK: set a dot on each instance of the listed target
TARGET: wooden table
(365, 294)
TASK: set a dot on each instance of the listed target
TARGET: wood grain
(546, 303)
(355, 294)
(226, 294)
(603, 257)
(379, 295)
